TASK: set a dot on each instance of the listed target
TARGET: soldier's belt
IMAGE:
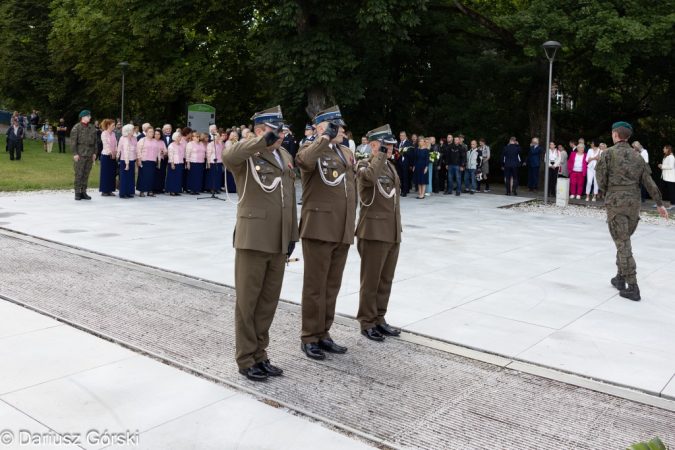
(622, 187)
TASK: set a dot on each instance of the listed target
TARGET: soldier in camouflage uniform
(83, 144)
(618, 173)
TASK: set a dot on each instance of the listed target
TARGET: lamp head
(553, 46)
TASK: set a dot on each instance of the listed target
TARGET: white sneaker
(593, 199)
(572, 196)
(587, 199)
(578, 197)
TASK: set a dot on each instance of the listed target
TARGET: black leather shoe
(385, 329)
(331, 347)
(373, 334)
(618, 282)
(269, 369)
(515, 193)
(632, 292)
(254, 373)
(312, 350)
(85, 196)
(78, 196)
(456, 194)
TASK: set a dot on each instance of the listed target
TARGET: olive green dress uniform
(327, 223)
(618, 172)
(83, 144)
(266, 223)
(379, 236)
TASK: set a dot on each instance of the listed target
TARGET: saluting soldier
(83, 138)
(618, 172)
(326, 228)
(264, 237)
(378, 232)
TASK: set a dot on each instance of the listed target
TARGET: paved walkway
(403, 393)
(525, 286)
(58, 383)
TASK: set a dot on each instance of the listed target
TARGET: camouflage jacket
(618, 172)
(83, 140)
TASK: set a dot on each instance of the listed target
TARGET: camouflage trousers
(82, 169)
(621, 228)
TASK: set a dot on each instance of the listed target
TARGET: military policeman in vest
(264, 237)
(326, 228)
(83, 144)
(378, 232)
(619, 171)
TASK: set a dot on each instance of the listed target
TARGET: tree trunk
(316, 101)
(538, 111)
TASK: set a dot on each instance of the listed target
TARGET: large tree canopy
(430, 66)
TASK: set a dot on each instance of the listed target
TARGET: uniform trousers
(324, 265)
(378, 264)
(82, 170)
(621, 228)
(257, 278)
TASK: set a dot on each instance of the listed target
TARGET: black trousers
(668, 191)
(511, 173)
(403, 175)
(552, 181)
(62, 144)
(15, 147)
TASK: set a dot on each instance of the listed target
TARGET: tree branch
(506, 37)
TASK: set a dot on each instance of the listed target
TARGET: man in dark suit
(511, 161)
(166, 135)
(15, 134)
(405, 152)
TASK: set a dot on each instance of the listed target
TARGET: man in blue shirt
(532, 162)
(511, 161)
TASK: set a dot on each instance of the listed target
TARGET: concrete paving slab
(19, 431)
(15, 319)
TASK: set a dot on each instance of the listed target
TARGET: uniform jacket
(266, 221)
(328, 212)
(511, 156)
(289, 144)
(454, 155)
(534, 156)
(83, 139)
(618, 172)
(381, 221)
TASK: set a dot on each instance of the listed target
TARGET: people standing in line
(421, 167)
(147, 151)
(592, 157)
(195, 155)
(485, 165)
(553, 158)
(61, 130)
(668, 174)
(159, 183)
(264, 238)
(378, 233)
(127, 162)
(83, 139)
(645, 155)
(455, 162)
(619, 173)
(511, 161)
(561, 162)
(176, 157)
(533, 162)
(435, 149)
(405, 151)
(43, 133)
(214, 172)
(15, 134)
(326, 227)
(474, 160)
(108, 171)
(577, 168)
(186, 138)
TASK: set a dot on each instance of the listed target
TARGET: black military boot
(619, 282)
(85, 196)
(632, 292)
(78, 196)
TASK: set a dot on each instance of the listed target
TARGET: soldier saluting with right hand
(618, 173)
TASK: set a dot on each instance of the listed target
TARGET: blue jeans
(453, 172)
(470, 179)
(532, 177)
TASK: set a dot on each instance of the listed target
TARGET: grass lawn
(39, 170)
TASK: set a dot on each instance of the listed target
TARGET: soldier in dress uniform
(326, 228)
(309, 135)
(618, 172)
(83, 139)
(264, 237)
(378, 232)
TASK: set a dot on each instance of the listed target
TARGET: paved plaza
(524, 286)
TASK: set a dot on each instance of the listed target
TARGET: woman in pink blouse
(108, 159)
(577, 168)
(174, 175)
(187, 137)
(214, 165)
(127, 158)
(147, 152)
(195, 155)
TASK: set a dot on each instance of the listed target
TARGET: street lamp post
(122, 66)
(553, 46)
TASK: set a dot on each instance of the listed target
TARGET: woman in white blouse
(592, 158)
(553, 157)
(668, 173)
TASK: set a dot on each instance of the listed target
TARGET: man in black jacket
(511, 161)
(15, 134)
(405, 152)
(455, 162)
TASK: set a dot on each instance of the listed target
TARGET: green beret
(85, 113)
(622, 124)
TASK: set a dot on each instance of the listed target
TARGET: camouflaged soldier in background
(618, 173)
(83, 144)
